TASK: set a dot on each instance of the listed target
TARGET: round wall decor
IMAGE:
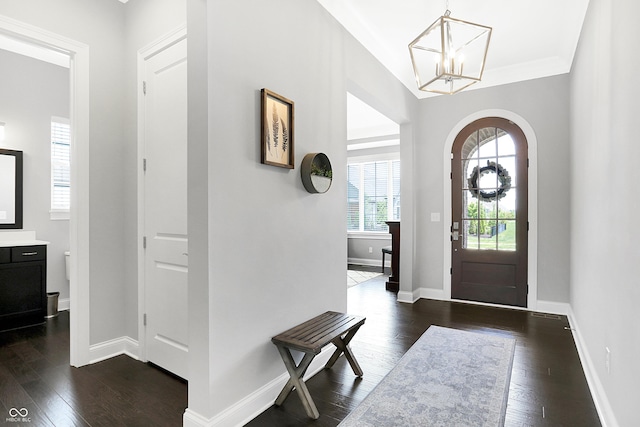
(316, 173)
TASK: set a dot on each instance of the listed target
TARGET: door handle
(455, 235)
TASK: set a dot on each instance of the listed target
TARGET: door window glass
(489, 192)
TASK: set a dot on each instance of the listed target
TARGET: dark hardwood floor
(548, 387)
(35, 375)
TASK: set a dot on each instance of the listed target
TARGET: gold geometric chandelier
(449, 55)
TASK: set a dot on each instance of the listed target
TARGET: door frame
(532, 258)
(79, 243)
(146, 52)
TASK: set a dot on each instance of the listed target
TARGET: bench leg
(296, 374)
(342, 346)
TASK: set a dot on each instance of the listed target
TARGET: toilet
(66, 264)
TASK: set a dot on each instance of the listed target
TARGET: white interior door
(165, 208)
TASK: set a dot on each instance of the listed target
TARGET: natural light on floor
(354, 277)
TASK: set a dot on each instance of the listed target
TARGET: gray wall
(146, 21)
(358, 244)
(358, 250)
(372, 83)
(604, 214)
(114, 33)
(266, 265)
(544, 104)
(32, 92)
(276, 254)
(100, 25)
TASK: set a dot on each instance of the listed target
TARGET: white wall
(543, 103)
(372, 83)
(146, 21)
(276, 254)
(32, 92)
(358, 243)
(604, 231)
(114, 33)
(200, 285)
(100, 25)
(358, 249)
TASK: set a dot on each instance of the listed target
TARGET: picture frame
(277, 130)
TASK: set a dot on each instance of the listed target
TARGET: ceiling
(364, 123)
(530, 38)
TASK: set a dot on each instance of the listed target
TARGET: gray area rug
(447, 378)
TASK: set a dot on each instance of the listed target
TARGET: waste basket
(52, 304)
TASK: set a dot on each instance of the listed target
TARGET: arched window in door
(489, 213)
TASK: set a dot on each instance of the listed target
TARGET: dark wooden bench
(310, 337)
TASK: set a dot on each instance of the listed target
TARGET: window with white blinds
(60, 165)
(373, 195)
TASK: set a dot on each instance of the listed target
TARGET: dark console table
(393, 284)
(23, 285)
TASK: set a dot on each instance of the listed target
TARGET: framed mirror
(10, 189)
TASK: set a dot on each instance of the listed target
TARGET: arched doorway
(489, 194)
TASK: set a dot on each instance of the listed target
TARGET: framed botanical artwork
(277, 130)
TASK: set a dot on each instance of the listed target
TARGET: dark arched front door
(489, 213)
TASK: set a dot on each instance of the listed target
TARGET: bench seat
(310, 337)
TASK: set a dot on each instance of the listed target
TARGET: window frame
(57, 213)
(390, 158)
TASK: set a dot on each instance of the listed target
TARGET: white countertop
(12, 243)
(11, 238)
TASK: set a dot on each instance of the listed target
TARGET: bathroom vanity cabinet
(23, 285)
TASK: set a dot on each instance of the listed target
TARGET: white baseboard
(370, 262)
(263, 398)
(607, 417)
(408, 297)
(64, 304)
(553, 307)
(193, 419)
(362, 261)
(257, 402)
(112, 348)
(426, 293)
(605, 412)
(429, 293)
